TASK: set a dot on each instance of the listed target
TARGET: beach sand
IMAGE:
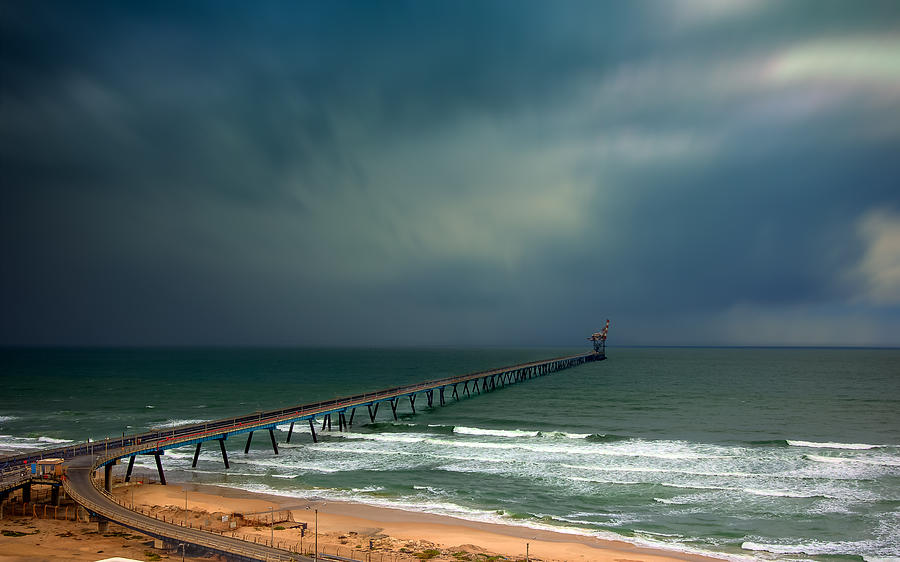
(46, 539)
(357, 531)
(347, 528)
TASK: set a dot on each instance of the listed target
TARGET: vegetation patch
(428, 554)
(152, 556)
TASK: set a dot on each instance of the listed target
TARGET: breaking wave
(831, 445)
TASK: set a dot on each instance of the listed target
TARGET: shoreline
(352, 525)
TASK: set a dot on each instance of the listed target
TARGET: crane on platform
(599, 338)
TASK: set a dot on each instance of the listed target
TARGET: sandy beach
(351, 530)
(355, 531)
(25, 539)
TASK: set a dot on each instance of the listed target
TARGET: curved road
(83, 462)
(80, 487)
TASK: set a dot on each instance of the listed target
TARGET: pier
(84, 459)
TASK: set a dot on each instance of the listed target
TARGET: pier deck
(85, 458)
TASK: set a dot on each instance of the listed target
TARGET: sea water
(743, 453)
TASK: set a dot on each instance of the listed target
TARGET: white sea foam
(656, 534)
(13, 443)
(445, 508)
(494, 432)
(463, 430)
(672, 501)
(829, 445)
(783, 494)
(812, 548)
(7, 418)
(653, 469)
(432, 490)
(297, 428)
(53, 440)
(616, 450)
(10, 442)
(179, 422)
(367, 489)
(604, 481)
(878, 461)
(669, 450)
(384, 437)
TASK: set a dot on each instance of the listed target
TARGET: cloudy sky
(449, 173)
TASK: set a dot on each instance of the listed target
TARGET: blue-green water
(765, 453)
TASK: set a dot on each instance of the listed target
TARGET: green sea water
(747, 453)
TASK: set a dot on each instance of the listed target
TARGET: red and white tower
(599, 339)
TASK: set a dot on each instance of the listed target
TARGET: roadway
(79, 487)
(87, 457)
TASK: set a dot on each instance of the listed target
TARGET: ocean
(744, 453)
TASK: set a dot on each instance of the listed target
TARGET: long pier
(85, 458)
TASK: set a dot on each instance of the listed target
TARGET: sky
(442, 173)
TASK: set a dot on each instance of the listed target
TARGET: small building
(47, 468)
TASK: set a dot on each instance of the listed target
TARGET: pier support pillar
(54, 496)
(352, 413)
(312, 429)
(290, 431)
(224, 452)
(26, 493)
(372, 413)
(341, 421)
(247, 446)
(131, 467)
(412, 402)
(394, 408)
(102, 525)
(455, 394)
(430, 396)
(107, 478)
(272, 437)
(196, 456)
(441, 395)
(162, 475)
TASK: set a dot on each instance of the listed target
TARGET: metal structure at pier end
(82, 460)
(599, 339)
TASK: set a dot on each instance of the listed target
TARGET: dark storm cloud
(427, 172)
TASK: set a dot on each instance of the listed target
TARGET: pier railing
(153, 440)
(94, 455)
